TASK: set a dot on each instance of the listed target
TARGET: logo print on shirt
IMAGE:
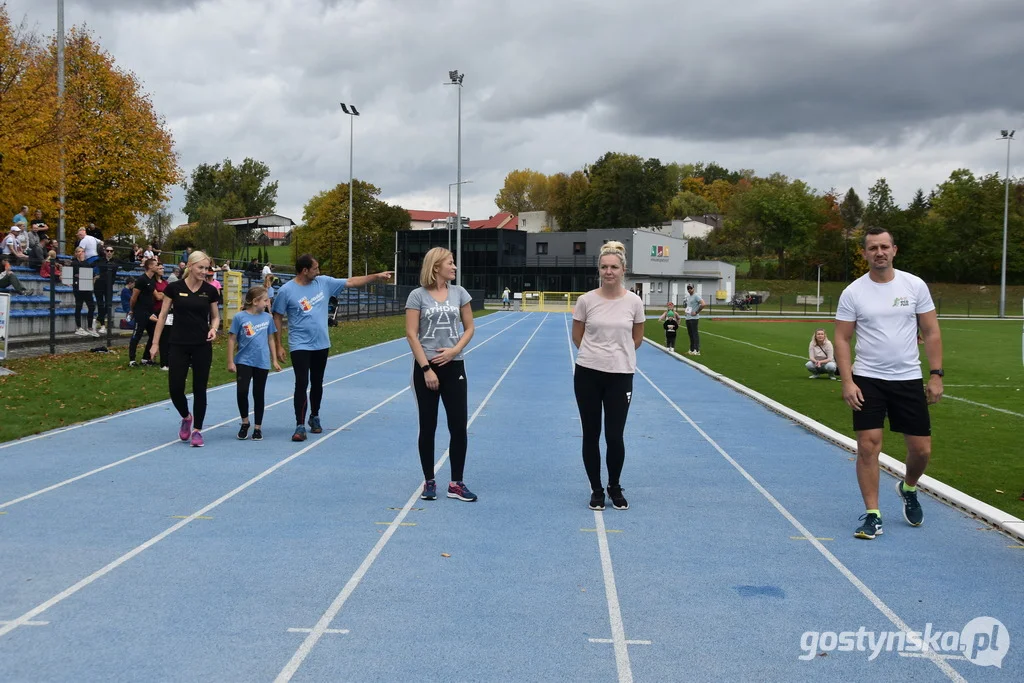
(249, 329)
(305, 305)
(900, 301)
(445, 321)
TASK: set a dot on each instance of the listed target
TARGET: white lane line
(763, 348)
(29, 623)
(309, 630)
(287, 399)
(608, 641)
(983, 405)
(949, 671)
(328, 616)
(25, 618)
(68, 592)
(611, 593)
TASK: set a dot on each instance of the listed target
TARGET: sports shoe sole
(463, 499)
(866, 537)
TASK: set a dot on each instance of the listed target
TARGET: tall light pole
(60, 114)
(352, 114)
(456, 80)
(1008, 136)
(457, 218)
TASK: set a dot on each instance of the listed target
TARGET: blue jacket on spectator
(126, 300)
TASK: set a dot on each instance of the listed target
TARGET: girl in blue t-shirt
(252, 333)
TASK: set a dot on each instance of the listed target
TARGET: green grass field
(975, 428)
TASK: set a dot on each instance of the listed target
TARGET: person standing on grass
(252, 333)
(143, 296)
(670, 321)
(694, 305)
(607, 328)
(432, 315)
(305, 300)
(196, 320)
(884, 308)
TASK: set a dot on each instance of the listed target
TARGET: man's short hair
(875, 230)
(303, 262)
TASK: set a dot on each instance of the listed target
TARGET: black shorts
(903, 401)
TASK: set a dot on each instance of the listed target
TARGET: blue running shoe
(314, 424)
(871, 527)
(429, 490)
(457, 489)
(912, 511)
(300, 434)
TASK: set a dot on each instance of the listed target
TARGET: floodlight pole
(60, 116)
(817, 299)
(352, 114)
(1008, 136)
(457, 218)
(456, 80)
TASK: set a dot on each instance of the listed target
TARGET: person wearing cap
(12, 249)
(694, 305)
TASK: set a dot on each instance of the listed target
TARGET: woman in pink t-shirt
(607, 328)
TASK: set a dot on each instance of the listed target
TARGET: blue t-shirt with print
(252, 334)
(306, 308)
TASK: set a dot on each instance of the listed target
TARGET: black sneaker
(257, 435)
(618, 500)
(912, 511)
(429, 490)
(243, 431)
(597, 500)
(871, 527)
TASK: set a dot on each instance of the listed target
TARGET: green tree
(240, 190)
(781, 212)
(524, 190)
(851, 210)
(687, 203)
(627, 191)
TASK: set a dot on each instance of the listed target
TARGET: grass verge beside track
(976, 444)
(56, 391)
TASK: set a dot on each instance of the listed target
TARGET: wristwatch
(424, 368)
(937, 371)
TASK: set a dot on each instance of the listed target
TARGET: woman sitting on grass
(822, 358)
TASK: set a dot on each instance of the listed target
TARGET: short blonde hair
(194, 258)
(431, 262)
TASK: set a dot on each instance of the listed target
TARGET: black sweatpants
(691, 329)
(182, 357)
(309, 368)
(452, 391)
(165, 344)
(143, 326)
(258, 377)
(84, 298)
(610, 392)
(102, 301)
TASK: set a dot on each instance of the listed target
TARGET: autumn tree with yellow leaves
(120, 162)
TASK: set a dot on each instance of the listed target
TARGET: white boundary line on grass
(989, 514)
(322, 624)
(72, 480)
(611, 592)
(27, 617)
(949, 671)
(105, 418)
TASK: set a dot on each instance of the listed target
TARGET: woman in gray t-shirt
(432, 316)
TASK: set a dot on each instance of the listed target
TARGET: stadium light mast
(1008, 136)
(60, 114)
(352, 114)
(458, 218)
(456, 80)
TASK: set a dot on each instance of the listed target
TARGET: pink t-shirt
(607, 343)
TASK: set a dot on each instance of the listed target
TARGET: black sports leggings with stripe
(182, 357)
(309, 368)
(452, 391)
(610, 391)
(258, 377)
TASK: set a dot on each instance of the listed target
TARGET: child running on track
(252, 333)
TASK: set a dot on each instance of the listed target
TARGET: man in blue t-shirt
(305, 301)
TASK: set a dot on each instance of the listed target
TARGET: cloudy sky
(836, 92)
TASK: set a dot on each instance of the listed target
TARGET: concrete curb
(1004, 521)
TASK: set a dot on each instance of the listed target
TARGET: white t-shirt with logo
(886, 324)
(608, 338)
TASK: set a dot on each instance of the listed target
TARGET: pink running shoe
(197, 440)
(185, 430)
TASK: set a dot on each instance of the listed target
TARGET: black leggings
(165, 344)
(102, 301)
(198, 357)
(86, 299)
(612, 391)
(259, 385)
(309, 368)
(452, 390)
(142, 326)
(691, 329)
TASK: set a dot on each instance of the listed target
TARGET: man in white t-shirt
(90, 244)
(885, 307)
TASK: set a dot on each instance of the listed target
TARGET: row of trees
(782, 226)
(118, 156)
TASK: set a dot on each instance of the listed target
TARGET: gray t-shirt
(692, 304)
(439, 322)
